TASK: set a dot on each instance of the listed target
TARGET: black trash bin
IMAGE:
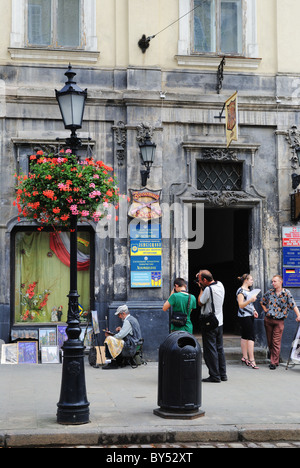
(179, 377)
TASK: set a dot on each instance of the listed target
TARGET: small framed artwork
(61, 335)
(47, 337)
(50, 355)
(9, 353)
(95, 321)
(27, 352)
(87, 336)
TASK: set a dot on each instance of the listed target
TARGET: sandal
(253, 365)
(245, 361)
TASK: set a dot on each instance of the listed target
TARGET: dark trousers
(213, 352)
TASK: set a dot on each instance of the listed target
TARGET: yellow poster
(231, 115)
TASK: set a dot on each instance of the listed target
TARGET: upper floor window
(54, 23)
(217, 26)
(209, 29)
(60, 30)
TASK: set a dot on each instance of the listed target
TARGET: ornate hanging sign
(145, 204)
(231, 114)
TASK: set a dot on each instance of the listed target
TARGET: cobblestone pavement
(184, 447)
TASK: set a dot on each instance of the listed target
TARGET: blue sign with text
(145, 255)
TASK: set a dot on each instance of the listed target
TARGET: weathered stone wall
(182, 107)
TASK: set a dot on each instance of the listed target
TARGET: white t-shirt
(218, 292)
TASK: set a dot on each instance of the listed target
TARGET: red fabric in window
(61, 252)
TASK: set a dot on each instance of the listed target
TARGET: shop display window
(42, 276)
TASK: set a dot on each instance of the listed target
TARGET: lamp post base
(73, 407)
(72, 417)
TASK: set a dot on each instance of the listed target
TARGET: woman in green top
(178, 300)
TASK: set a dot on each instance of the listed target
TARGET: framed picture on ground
(61, 335)
(50, 355)
(27, 352)
(47, 337)
(9, 353)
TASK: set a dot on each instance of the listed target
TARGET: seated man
(124, 343)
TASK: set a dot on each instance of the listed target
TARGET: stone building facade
(222, 208)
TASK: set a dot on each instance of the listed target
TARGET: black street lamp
(73, 407)
(147, 151)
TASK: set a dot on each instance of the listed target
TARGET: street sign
(291, 256)
(145, 256)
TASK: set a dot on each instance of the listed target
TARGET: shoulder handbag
(209, 322)
(179, 319)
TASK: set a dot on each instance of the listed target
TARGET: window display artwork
(33, 304)
(42, 276)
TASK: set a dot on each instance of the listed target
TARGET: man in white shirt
(213, 351)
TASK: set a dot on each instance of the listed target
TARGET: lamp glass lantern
(71, 100)
(147, 149)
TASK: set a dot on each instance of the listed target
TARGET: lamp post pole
(73, 406)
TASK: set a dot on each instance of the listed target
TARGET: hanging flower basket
(60, 186)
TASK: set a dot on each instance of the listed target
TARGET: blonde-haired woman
(246, 315)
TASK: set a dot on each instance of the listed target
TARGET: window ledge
(212, 62)
(58, 55)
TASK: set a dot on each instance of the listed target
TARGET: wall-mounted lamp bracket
(144, 42)
(220, 75)
(145, 176)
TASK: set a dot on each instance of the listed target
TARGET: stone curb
(71, 436)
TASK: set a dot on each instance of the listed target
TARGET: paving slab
(253, 405)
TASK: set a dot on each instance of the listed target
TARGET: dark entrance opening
(225, 253)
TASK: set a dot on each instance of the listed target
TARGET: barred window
(221, 176)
